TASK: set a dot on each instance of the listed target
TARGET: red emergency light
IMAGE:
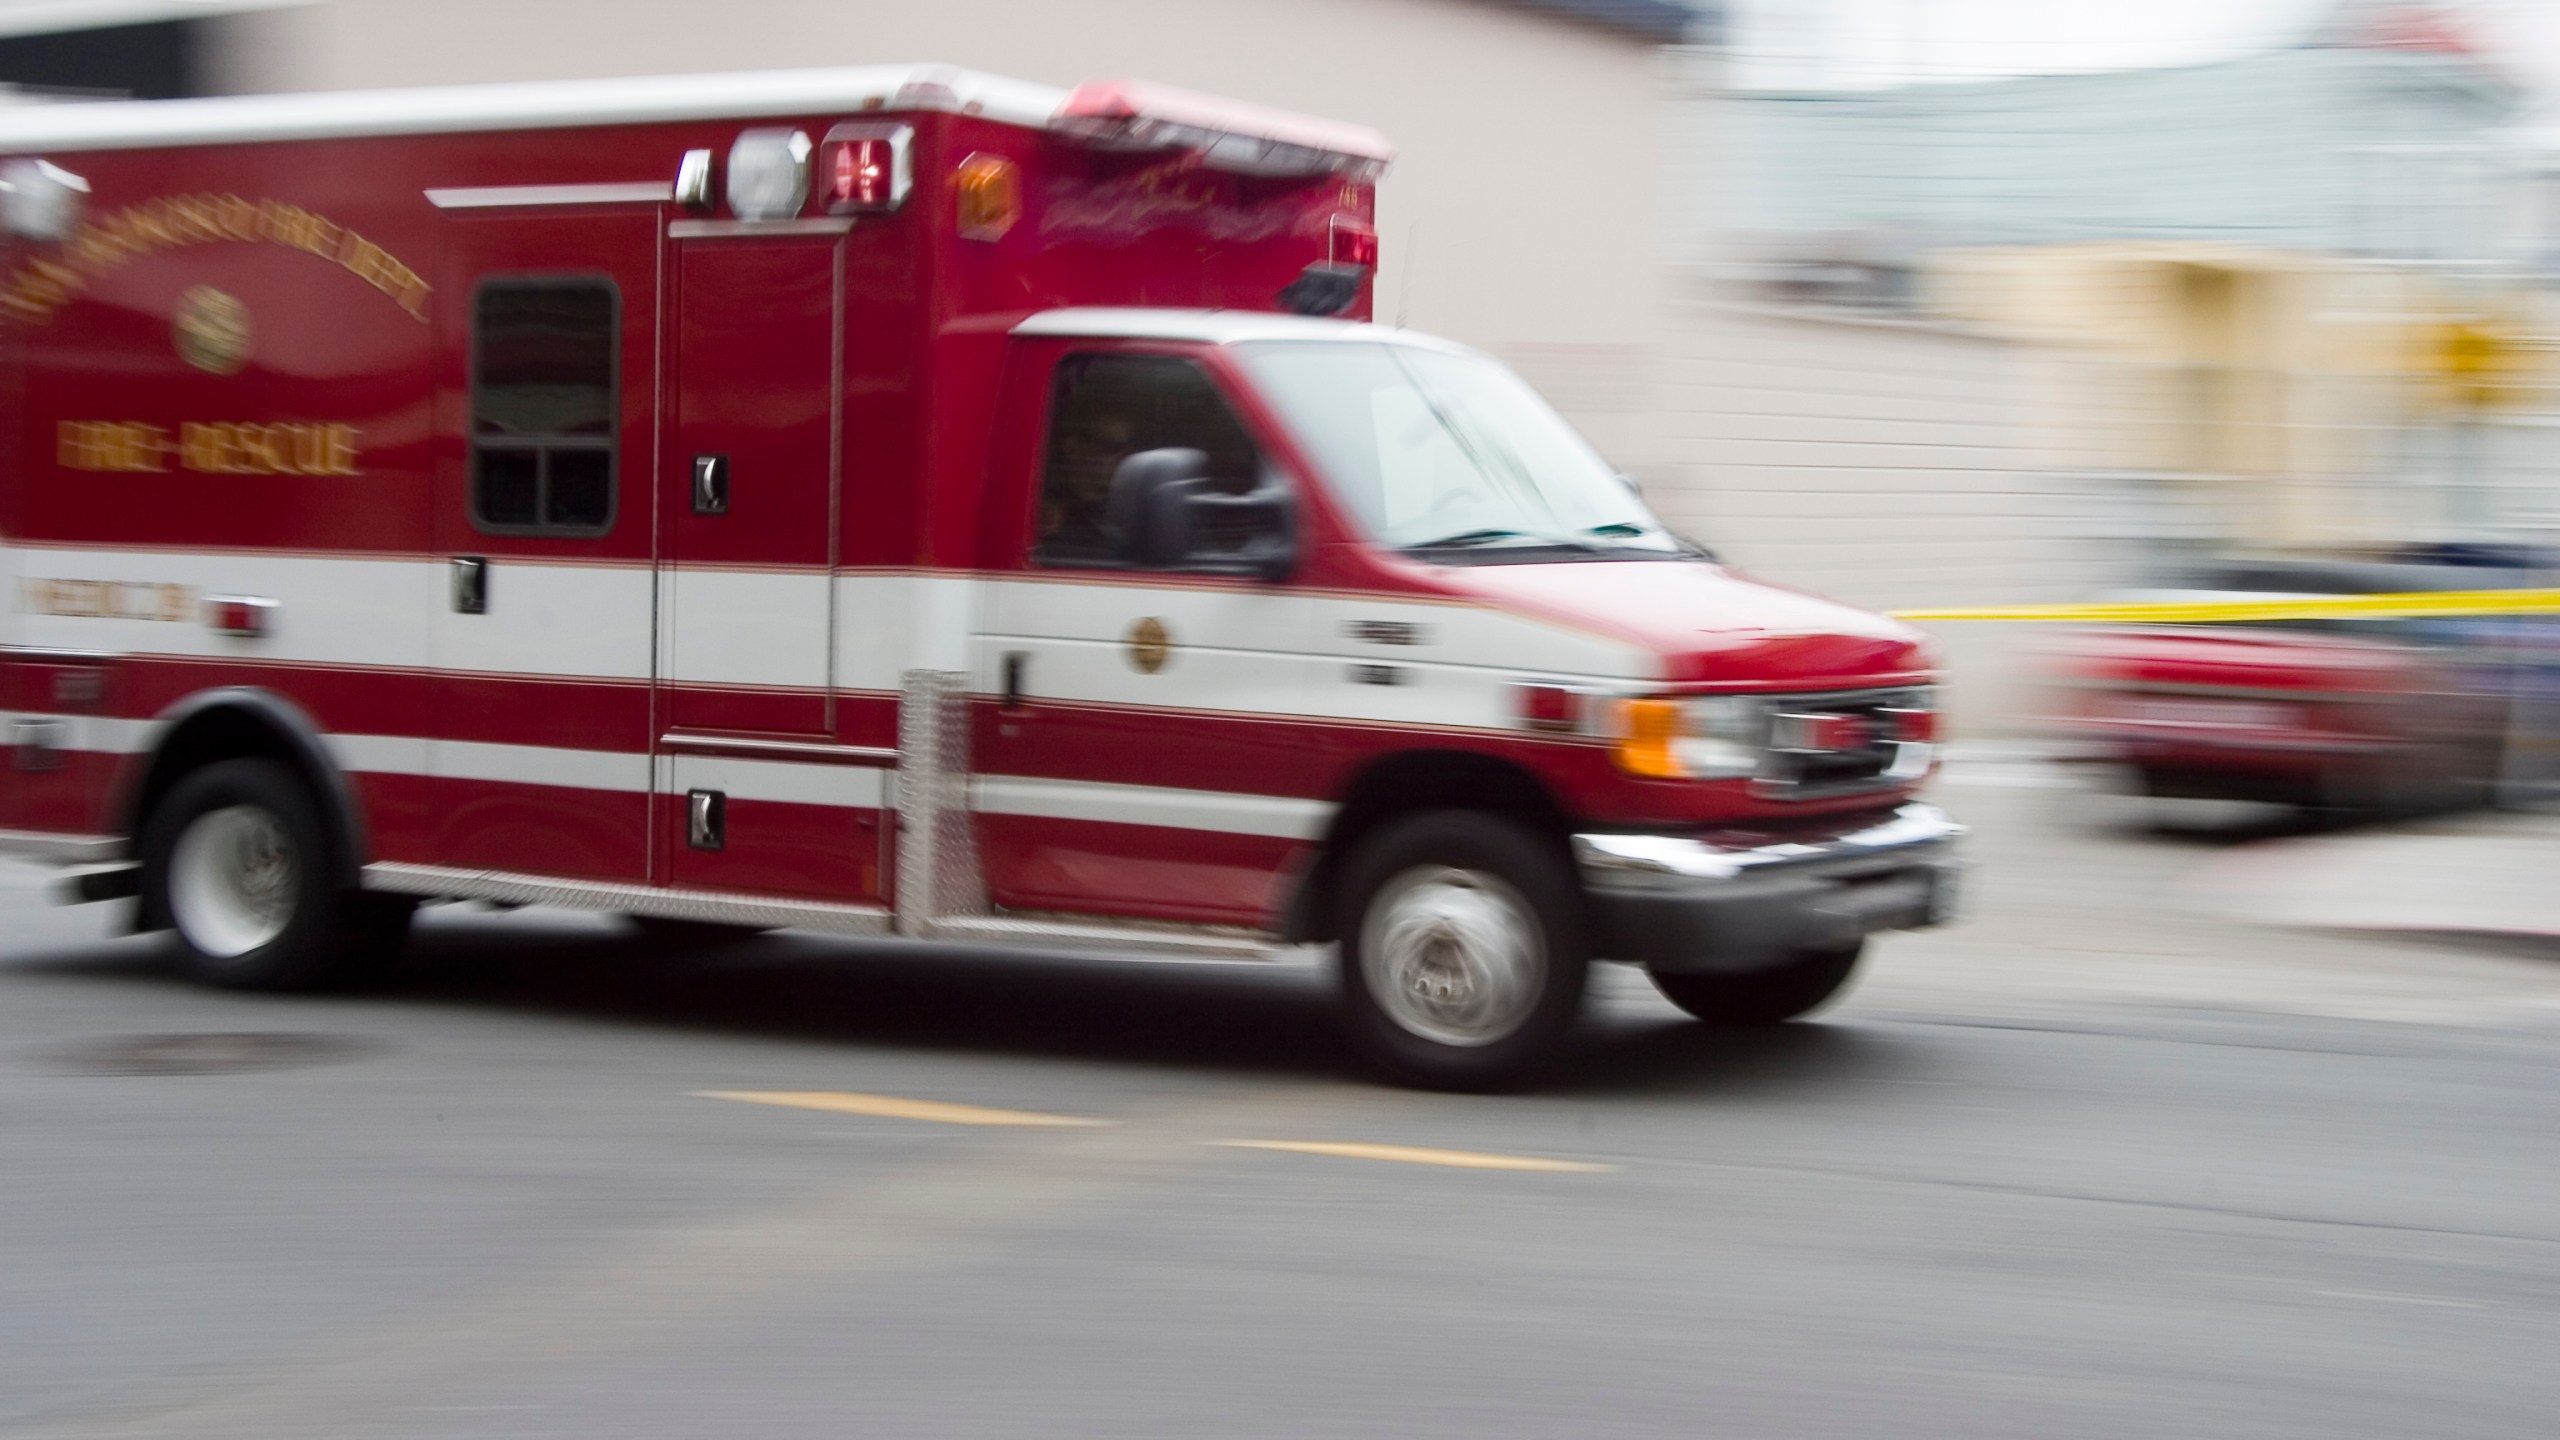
(866, 167)
(1355, 243)
(1554, 708)
(248, 616)
(1227, 135)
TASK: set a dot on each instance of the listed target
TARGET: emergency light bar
(1226, 134)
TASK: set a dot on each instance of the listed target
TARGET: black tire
(1496, 866)
(237, 861)
(691, 933)
(1764, 997)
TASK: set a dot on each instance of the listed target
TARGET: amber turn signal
(1648, 735)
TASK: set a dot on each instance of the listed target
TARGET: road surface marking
(892, 1107)
(1416, 1155)
(2388, 1298)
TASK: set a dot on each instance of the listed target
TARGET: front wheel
(1463, 953)
(237, 860)
(1764, 997)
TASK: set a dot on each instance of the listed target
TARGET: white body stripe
(747, 627)
(538, 765)
(99, 734)
(853, 786)
(1216, 810)
(1237, 650)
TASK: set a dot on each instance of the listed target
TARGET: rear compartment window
(1106, 408)
(544, 405)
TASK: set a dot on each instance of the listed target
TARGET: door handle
(470, 585)
(1014, 661)
(706, 820)
(710, 484)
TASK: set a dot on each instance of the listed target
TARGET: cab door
(751, 493)
(1145, 751)
(537, 756)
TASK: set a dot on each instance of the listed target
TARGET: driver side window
(1104, 409)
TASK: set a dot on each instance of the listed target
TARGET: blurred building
(2288, 299)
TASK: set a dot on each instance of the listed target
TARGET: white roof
(1214, 327)
(550, 104)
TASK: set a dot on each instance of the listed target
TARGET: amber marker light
(990, 191)
(1648, 739)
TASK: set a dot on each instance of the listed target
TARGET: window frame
(542, 446)
(1264, 460)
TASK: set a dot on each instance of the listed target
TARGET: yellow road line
(1416, 1155)
(892, 1107)
(2311, 607)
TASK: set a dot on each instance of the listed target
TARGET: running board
(657, 903)
(1106, 936)
(1027, 932)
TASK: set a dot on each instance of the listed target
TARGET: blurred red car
(2371, 716)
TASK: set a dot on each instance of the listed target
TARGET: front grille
(1797, 772)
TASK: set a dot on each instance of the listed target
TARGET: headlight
(1709, 737)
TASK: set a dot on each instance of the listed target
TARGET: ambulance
(888, 501)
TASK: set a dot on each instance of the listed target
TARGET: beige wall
(1521, 214)
(1893, 466)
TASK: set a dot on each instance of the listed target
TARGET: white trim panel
(547, 104)
(93, 734)
(1216, 327)
(538, 765)
(855, 787)
(1279, 817)
(750, 627)
(490, 197)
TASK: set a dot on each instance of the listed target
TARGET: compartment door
(537, 753)
(751, 491)
(752, 485)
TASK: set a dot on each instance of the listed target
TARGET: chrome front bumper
(1684, 905)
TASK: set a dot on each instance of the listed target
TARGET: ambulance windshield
(1451, 456)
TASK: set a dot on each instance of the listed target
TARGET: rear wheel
(1764, 997)
(1463, 953)
(238, 861)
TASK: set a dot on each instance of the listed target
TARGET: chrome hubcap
(233, 880)
(1454, 956)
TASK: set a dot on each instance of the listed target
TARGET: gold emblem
(211, 330)
(1149, 645)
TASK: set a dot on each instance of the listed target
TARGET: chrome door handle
(706, 825)
(470, 585)
(710, 484)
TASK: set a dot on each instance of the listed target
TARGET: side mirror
(1163, 514)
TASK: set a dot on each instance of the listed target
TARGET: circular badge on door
(211, 330)
(1149, 645)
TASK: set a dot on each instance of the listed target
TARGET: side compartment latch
(710, 484)
(38, 744)
(706, 819)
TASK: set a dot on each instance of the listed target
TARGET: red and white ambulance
(890, 501)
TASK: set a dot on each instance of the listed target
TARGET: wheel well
(1407, 784)
(248, 725)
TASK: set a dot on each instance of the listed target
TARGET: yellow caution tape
(2314, 607)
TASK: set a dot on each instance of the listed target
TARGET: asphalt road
(2094, 1164)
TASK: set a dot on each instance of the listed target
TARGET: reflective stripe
(1278, 817)
(779, 781)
